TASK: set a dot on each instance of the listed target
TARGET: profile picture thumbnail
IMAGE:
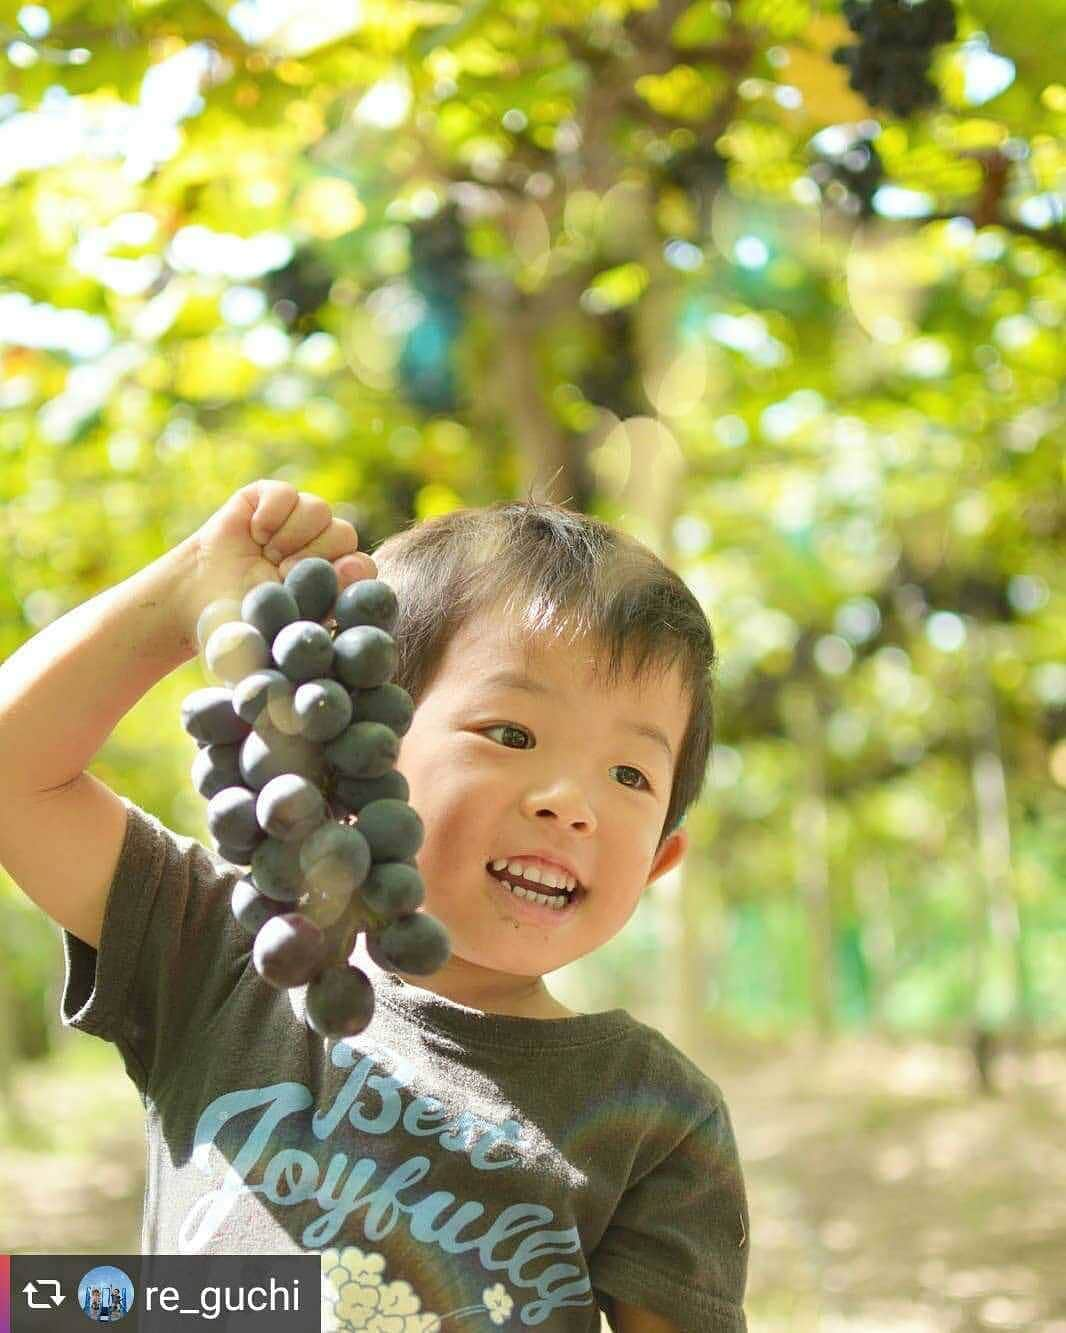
(105, 1294)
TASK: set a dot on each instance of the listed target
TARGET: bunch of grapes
(890, 64)
(296, 759)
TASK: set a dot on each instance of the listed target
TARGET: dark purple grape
(393, 888)
(237, 856)
(313, 583)
(252, 909)
(276, 870)
(393, 829)
(231, 817)
(365, 656)
(289, 807)
(389, 704)
(207, 715)
(235, 650)
(289, 950)
(216, 767)
(354, 793)
(417, 944)
(364, 750)
(334, 861)
(323, 709)
(367, 602)
(269, 607)
(268, 753)
(304, 651)
(265, 695)
(326, 903)
(340, 1001)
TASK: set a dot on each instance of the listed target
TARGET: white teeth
(556, 903)
(555, 879)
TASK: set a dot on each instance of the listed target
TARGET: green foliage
(214, 283)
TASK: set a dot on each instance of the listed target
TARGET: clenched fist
(259, 534)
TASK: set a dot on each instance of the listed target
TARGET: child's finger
(271, 502)
(336, 541)
(352, 568)
(311, 518)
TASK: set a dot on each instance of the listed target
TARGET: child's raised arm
(64, 691)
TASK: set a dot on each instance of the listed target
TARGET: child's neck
(480, 988)
(537, 1002)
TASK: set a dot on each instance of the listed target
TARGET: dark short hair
(558, 574)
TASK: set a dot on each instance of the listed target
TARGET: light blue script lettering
(372, 1102)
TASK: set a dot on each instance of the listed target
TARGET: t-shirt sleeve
(170, 951)
(677, 1244)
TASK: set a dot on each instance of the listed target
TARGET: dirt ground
(885, 1195)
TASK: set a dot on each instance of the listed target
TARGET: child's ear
(669, 854)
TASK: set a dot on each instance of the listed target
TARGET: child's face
(566, 784)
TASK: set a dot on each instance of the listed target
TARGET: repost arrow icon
(30, 1291)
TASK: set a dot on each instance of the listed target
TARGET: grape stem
(358, 920)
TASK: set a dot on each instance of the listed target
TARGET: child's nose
(563, 800)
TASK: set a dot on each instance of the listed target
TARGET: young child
(479, 1156)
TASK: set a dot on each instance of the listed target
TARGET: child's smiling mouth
(529, 904)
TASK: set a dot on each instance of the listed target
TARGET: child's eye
(508, 726)
(628, 768)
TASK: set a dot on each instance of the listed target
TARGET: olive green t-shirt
(456, 1170)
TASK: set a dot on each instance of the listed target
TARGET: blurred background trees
(718, 272)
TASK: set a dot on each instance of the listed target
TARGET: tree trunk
(998, 942)
(809, 823)
(873, 895)
(552, 459)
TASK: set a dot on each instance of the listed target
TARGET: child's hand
(260, 533)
